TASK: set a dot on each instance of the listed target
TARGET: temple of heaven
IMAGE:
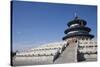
(77, 29)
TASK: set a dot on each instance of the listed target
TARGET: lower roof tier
(75, 35)
(77, 28)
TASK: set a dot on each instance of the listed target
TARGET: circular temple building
(77, 29)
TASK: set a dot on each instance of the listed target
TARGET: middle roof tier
(77, 29)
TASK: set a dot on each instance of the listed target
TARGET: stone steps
(68, 55)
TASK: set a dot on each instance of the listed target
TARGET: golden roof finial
(75, 14)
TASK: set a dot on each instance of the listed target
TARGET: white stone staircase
(69, 55)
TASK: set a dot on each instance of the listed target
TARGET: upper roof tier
(77, 20)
